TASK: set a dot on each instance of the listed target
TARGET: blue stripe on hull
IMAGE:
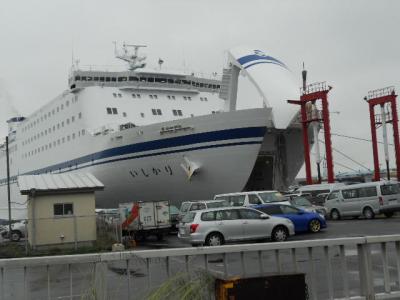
(214, 136)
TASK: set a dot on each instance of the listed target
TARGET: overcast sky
(353, 45)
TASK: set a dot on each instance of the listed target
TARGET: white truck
(142, 219)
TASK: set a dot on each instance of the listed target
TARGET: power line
(348, 157)
(344, 166)
(357, 138)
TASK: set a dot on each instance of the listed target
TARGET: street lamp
(8, 188)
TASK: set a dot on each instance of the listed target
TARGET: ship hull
(156, 162)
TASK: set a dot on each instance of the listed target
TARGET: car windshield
(301, 201)
(222, 203)
(189, 217)
(389, 189)
(269, 197)
(185, 207)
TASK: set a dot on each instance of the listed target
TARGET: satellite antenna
(134, 60)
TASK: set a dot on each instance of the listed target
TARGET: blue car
(303, 221)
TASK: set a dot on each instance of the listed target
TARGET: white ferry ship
(152, 134)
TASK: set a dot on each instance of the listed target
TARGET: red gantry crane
(386, 99)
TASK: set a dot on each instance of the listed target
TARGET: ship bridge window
(170, 81)
(101, 79)
(113, 79)
(89, 78)
(83, 78)
(138, 95)
(133, 95)
(115, 95)
(142, 115)
(108, 79)
(124, 114)
(77, 77)
(80, 115)
(151, 96)
(96, 78)
(109, 110)
(144, 79)
(150, 79)
(161, 80)
(119, 95)
(114, 111)
(186, 82)
(122, 79)
(133, 78)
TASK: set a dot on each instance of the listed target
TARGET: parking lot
(335, 229)
(82, 275)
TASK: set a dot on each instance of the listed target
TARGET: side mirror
(264, 216)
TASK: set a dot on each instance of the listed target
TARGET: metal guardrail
(331, 273)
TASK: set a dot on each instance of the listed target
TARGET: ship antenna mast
(134, 60)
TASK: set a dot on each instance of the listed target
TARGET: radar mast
(134, 60)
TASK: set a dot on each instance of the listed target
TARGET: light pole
(8, 188)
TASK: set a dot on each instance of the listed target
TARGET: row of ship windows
(47, 115)
(170, 97)
(149, 79)
(54, 143)
(51, 129)
(155, 111)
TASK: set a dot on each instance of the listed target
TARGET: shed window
(63, 209)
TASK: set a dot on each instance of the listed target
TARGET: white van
(364, 199)
(253, 198)
(314, 192)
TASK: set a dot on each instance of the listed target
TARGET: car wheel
(15, 236)
(314, 226)
(368, 213)
(335, 215)
(279, 234)
(389, 214)
(214, 239)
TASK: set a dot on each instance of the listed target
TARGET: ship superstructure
(152, 134)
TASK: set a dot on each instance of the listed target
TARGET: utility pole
(8, 188)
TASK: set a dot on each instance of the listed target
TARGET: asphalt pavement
(115, 284)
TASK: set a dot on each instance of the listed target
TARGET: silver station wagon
(213, 227)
